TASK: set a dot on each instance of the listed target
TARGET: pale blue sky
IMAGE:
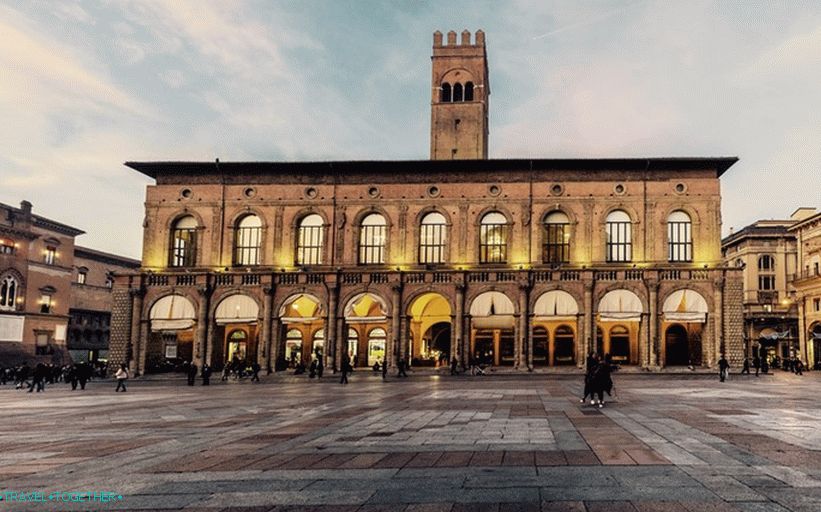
(86, 86)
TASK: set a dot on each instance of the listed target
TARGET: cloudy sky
(86, 86)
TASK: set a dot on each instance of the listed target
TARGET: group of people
(598, 379)
(35, 378)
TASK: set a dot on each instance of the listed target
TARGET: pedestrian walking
(723, 368)
(454, 364)
(71, 376)
(22, 375)
(601, 380)
(206, 374)
(346, 367)
(756, 364)
(312, 370)
(121, 376)
(255, 368)
(402, 365)
(192, 373)
(38, 378)
(799, 367)
(384, 368)
(591, 365)
(745, 368)
(320, 365)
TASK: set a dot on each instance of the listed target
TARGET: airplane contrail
(586, 22)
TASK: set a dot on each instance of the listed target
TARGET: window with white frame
(679, 237)
(248, 241)
(372, 240)
(556, 247)
(8, 293)
(493, 232)
(619, 237)
(310, 240)
(183, 242)
(432, 238)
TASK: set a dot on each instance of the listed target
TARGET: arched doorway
(685, 313)
(302, 318)
(676, 346)
(236, 319)
(564, 346)
(815, 340)
(364, 313)
(430, 330)
(553, 311)
(377, 339)
(620, 317)
(540, 346)
(620, 344)
(318, 347)
(492, 329)
(172, 320)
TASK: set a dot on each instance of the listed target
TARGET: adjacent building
(807, 285)
(524, 263)
(41, 295)
(780, 285)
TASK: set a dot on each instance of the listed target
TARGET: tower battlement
(438, 39)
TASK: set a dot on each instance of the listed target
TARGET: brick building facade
(522, 263)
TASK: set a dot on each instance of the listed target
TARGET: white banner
(11, 328)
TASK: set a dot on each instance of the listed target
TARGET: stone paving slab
(503, 443)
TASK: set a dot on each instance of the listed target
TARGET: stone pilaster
(265, 334)
(201, 333)
(398, 334)
(653, 345)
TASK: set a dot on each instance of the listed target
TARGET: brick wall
(120, 326)
(734, 316)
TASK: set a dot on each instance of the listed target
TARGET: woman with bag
(121, 376)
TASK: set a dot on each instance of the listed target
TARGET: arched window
(310, 240)
(372, 240)
(469, 91)
(184, 242)
(556, 238)
(766, 272)
(8, 293)
(679, 237)
(318, 347)
(445, 94)
(248, 241)
(493, 238)
(457, 92)
(432, 238)
(619, 237)
(376, 346)
(353, 345)
(293, 347)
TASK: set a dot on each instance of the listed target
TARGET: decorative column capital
(269, 290)
(137, 292)
(204, 291)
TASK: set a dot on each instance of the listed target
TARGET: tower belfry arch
(460, 90)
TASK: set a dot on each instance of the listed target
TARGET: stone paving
(426, 443)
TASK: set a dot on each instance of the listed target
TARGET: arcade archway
(364, 314)
(430, 317)
(493, 323)
(236, 330)
(171, 339)
(619, 317)
(684, 313)
(301, 319)
(555, 316)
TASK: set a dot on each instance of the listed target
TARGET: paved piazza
(666, 443)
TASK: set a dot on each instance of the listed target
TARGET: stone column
(398, 334)
(200, 333)
(589, 318)
(718, 300)
(456, 348)
(132, 357)
(275, 352)
(265, 335)
(654, 347)
(521, 339)
(332, 334)
(144, 329)
(803, 344)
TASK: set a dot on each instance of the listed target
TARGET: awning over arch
(237, 309)
(366, 307)
(685, 306)
(302, 307)
(172, 313)
(620, 305)
(492, 310)
(555, 304)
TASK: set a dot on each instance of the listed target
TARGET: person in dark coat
(255, 368)
(346, 368)
(402, 365)
(745, 368)
(799, 367)
(39, 378)
(312, 370)
(71, 376)
(454, 363)
(592, 363)
(192, 373)
(756, 364)
(384, 368)
(22, 375)
(320, 365)
(601, 380)
(723, 368)
(206, 374)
